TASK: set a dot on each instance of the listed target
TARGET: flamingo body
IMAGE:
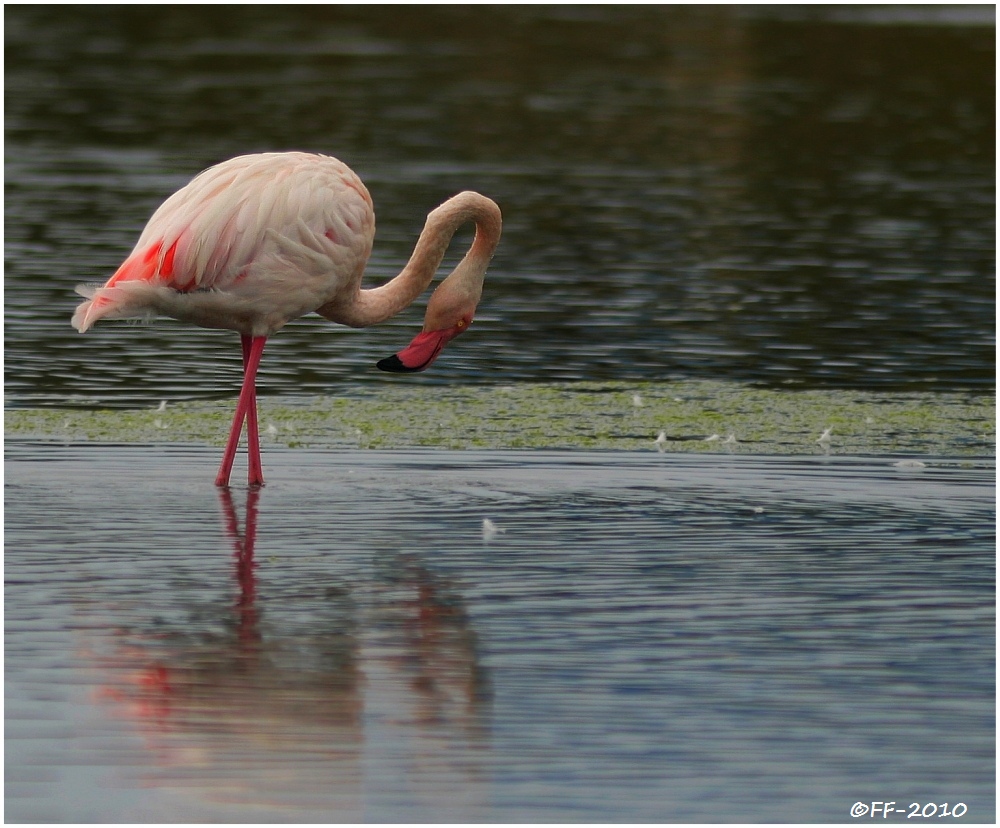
(248, 245)
(259, 240)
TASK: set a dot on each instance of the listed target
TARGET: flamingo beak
(422, 351)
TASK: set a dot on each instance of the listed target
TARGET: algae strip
(692, 416)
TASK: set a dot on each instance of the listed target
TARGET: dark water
(799, 196)
(649, 638)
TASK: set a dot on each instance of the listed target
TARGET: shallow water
(649, 638)
(791, 197)
(783, 196)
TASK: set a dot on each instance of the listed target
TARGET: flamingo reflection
(302, 689)
(243, 543)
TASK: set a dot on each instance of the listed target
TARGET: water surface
(646, 637)
(789, 197)
(796, 198)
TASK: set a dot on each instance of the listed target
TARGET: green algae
(690, 416)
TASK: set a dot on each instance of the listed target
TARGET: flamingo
(259, 240)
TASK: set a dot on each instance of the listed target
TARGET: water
(649, 638)
(793, 197)
(788, 197)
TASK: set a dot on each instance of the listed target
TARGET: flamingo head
(425, 347)
(449, 313)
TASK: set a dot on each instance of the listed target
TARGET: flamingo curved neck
(462, 287)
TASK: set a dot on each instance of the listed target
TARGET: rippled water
(645, 637)
(779, 196)
(801, 197)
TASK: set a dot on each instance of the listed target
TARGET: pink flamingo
(259, 240)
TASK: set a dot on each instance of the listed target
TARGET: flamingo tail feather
(126, 300)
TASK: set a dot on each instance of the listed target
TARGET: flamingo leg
(246, 409)
(255, 469)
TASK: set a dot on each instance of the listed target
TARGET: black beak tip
(394, 365)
